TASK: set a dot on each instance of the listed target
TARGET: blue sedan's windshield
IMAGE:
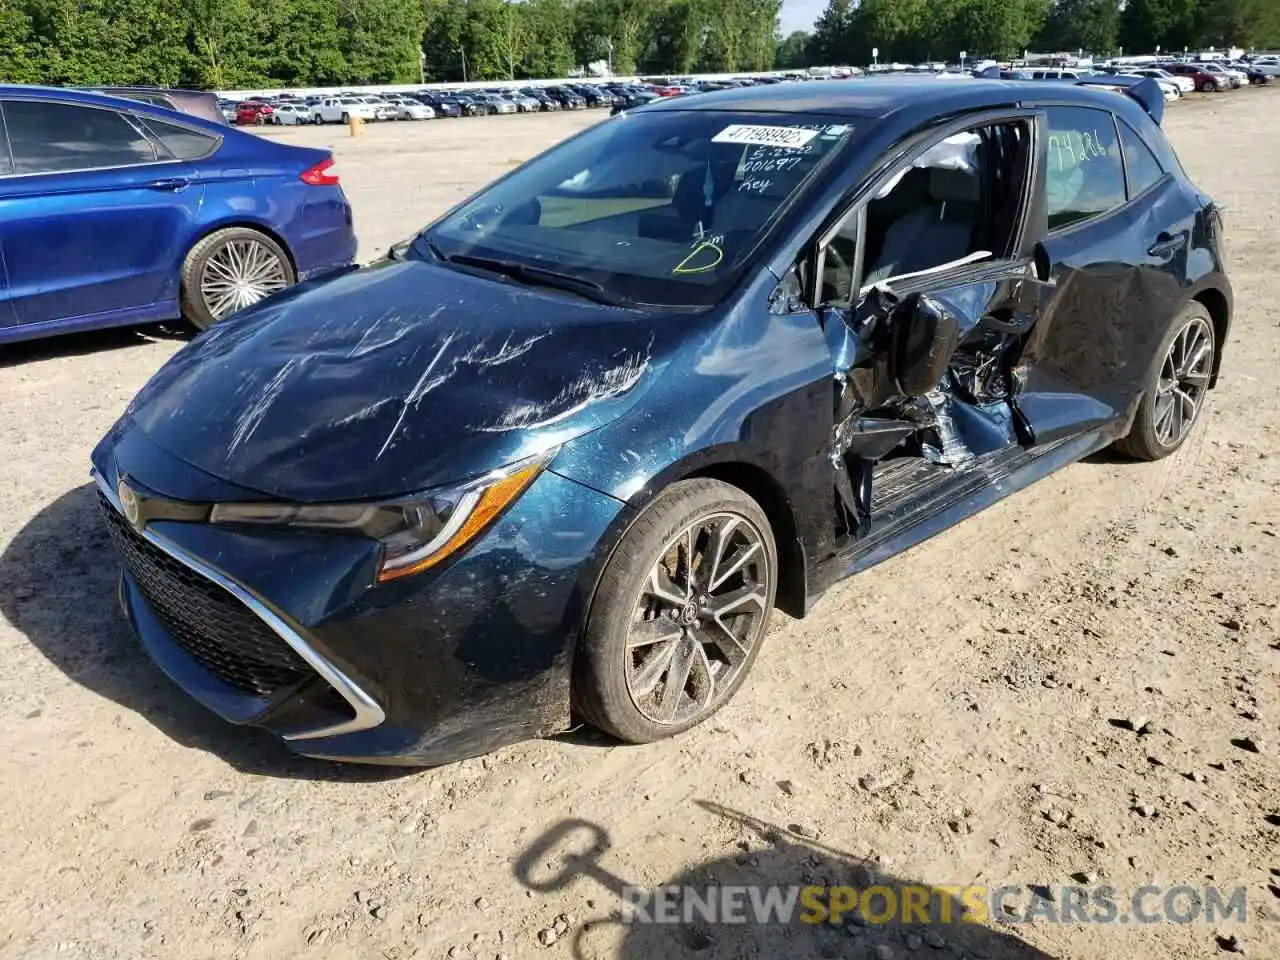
(661, 207)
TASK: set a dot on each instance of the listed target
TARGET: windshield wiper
(539, 276)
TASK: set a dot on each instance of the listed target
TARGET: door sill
(918, 499)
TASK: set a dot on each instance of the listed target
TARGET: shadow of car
(769, 864)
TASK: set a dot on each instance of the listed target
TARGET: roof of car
(90, 98)
(880, 96)
(64, 93)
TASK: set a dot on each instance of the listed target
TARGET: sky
(800, 14)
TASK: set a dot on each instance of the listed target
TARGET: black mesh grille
(219, 631)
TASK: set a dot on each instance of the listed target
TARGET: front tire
(229, 270)
(1208, 87)
(1176, 388)
(680, 613)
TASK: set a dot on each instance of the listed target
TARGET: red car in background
(253, 112)
(1205, 81)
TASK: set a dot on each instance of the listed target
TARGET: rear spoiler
(1143, 89)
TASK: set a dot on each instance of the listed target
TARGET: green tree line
(225, 44)
(548, 38)
(916, 30)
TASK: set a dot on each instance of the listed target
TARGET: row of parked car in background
(1175, 76)
(288, 109)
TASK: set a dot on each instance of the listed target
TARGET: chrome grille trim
(367, 713)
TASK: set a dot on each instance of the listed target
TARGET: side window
(959, 200)
(1084, 175)
(839, 263)
(53, 137)
(183, 142)
(1140, 163)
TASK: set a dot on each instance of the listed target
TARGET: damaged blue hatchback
(559, 455)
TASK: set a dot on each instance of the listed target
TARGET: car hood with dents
(397, 378)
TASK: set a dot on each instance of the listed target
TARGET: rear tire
(671, 637)
(1176, 388)
(209, 281)
(1208, 87)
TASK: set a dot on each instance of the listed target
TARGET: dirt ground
(957, 715)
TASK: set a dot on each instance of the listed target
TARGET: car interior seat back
(936, 231)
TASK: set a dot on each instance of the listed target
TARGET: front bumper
(288, 631)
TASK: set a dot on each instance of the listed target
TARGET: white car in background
(1184, 84)
(1237, 78)
(407, 108)
(523, 101)
(1268, 65)
(292, 114)
(1238, 71)
(497, 104)
(1171, 90)
(382, 110)
(338, 109)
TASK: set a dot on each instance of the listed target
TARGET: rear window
(1141, 165)
(183, 142)
(664, 208)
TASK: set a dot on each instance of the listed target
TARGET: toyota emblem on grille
(129, 504)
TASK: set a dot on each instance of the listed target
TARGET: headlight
(415, 534)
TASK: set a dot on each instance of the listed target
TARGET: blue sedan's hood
(396, 378)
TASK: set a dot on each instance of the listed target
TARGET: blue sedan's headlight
(415, 534)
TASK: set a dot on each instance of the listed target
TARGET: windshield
(664, 208)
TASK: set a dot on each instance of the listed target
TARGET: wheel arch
(757, 483)
(1218, 303)
(735, 464)
(207, 230)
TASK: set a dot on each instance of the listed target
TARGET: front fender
(756, 392)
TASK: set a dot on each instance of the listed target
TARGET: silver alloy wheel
(698, 616)
(1184, 378)
(239, 274)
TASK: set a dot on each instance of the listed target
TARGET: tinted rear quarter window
(1141, 164)
(57, 137)
(182, 142)
(1084, 175)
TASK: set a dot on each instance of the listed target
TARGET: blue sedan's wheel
(229, 270)
(680, 613)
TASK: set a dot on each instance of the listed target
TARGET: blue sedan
(114, 212)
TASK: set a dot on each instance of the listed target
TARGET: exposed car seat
(936, 232)
(698, 191)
